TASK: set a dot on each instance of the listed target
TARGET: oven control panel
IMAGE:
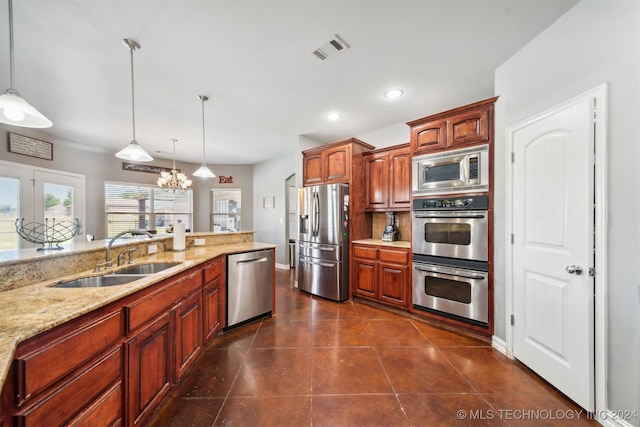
(454, 203)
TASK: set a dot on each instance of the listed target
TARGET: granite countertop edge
(33, 309)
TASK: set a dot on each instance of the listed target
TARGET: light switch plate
(198, 242)
(152, 249)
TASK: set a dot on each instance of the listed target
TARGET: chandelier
(174, 180)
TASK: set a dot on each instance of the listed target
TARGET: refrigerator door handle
(323, 264)
(316, 215)
(318, 247)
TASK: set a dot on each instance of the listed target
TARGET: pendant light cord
(133, 97)
(174, 153)
(203, 98)
(11, 41)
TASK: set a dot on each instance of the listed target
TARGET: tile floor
(320, 363)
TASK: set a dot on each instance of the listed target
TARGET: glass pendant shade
(203, 171)
(134, 152)
(14, 109)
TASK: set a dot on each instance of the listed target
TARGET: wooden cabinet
(116, 365)
(381, 274)
(388, 179)
(464, 126)
(213, 297)
(332, 163)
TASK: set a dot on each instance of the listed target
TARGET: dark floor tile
(266, 411)
(212, 375)
(444, 338)
(366, 311)
(338, 333)
(421, 370)
(274, 372)
(188, 412)
(322, 309)
(238, 338)
(449, 410)
(347, 370)
(282, 332)
(489, 371)
(545, 409)
(394, 333)
(357, 410)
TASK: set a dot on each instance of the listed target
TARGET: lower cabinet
(381, 274)
(116, 365)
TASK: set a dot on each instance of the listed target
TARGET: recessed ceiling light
(393, 93)
(333, 116)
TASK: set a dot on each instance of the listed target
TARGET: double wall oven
(450, 238)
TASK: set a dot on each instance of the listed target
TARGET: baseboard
(500, 345)
(283, 266)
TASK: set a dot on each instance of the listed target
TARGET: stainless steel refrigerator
(323, 241)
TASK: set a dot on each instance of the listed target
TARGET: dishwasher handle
(252, 261)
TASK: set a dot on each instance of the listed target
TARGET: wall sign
(268, 202)
(137, 167)
(225, 180)
(32, 147)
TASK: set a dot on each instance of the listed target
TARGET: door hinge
(592, 272)
(513, 157)
(512, 320)
(512, 238)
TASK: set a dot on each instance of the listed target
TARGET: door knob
(573, 269)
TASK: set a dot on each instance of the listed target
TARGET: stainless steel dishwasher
(249, 286)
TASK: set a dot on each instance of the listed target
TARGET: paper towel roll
(179, 236)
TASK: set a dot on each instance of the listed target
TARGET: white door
(553, 247)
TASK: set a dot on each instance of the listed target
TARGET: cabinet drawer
(50, 361)
(106, 410)
(212, 270)
(67, 401)
(365, 252)
(145, 309)
(397, 257)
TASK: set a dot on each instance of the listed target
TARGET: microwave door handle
(466, 276)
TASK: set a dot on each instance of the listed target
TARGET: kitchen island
(30, 310)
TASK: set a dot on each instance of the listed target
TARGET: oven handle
(462, 216)
(445, 271)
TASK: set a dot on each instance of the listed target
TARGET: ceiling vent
(332, 47)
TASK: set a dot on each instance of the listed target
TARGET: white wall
(269, 181)
(595, 42)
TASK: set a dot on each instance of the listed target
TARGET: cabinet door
(313, 168)
(338, 164)
(400, 179)
(376, 181)
(149, 379)
(212, 305)
(188, 333)
(393, 284)
(430, 136)
(365, 278)
(468, 128)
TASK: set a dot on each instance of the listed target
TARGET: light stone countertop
(30, 310)
(397, 244)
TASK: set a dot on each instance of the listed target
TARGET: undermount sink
(97, 281)
(147, 268)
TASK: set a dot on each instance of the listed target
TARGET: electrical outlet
(198, 242)
(152, 249)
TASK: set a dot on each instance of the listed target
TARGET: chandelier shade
(203, 171)
(174, 180)
(134, 151)
(14, 109)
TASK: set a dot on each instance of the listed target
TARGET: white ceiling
(253, 59)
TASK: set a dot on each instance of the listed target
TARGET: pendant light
(14, 109)
(133, 151)
(203, 171)
(174, 180)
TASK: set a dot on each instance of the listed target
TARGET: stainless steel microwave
(455, 171)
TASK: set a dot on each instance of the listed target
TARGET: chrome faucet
(133, 232)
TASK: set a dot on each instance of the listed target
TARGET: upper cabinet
(332, 163)
(388, 179)
(462, 126)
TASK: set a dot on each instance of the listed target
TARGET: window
(226, 208)
(147, 207)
